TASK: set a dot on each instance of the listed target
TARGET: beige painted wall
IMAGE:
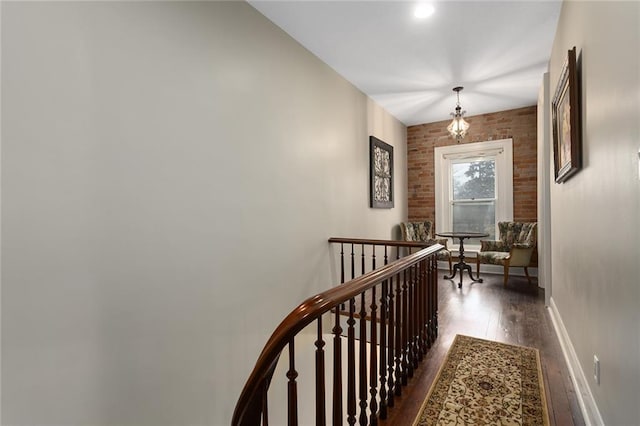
(171, 172)
(595, 215)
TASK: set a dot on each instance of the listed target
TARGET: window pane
(475, 217)
(474, 179)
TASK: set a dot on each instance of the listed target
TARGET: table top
(462, 234)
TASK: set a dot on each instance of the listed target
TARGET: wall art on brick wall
(566, 121)
(380, 173)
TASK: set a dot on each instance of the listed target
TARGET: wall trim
(586, 401)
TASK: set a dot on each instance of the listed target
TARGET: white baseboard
(587, 404)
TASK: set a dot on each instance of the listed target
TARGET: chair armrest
(520, 254)
(493, 245)
(442, 241)
(523, 245)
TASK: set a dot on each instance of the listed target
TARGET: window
(473, 200)
(474, 187)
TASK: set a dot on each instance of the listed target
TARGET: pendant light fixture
(458, 127)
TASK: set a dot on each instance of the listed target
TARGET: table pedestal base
(462, 266)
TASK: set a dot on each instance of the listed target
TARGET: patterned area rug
(486, 383)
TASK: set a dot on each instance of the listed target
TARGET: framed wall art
(567, 144)
(380, 174)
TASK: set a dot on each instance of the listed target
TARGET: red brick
(518, 124)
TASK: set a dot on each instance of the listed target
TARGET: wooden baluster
(405, 328)
(351, 365)
(373, 257)
(431, 280)
(416, 317)
(423, 307)
(433, 283)
(398, 331)
(415, 328)
(386, 257)
(429, 273)
(384, 309)
(408, 342)
(320, 391)
(265, 404)
(411, 321)
(373, 360)
(428, 299)
(353, 263)
(341, 270)
(292, 386)
(391, 343)
(416, 323)
(420, 324)
(419, 314)
(362, 257)
(434, 300)
(337, 371)
(362, 394)
(341, 263)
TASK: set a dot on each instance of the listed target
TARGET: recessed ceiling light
(423, 10)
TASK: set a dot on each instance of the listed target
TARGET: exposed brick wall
(518, 124)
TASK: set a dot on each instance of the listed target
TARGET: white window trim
(503, 149)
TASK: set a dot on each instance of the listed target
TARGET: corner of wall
(586, 401)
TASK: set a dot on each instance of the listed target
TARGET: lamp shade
(458, 127)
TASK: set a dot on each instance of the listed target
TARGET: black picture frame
(380, 174)
(567, 135)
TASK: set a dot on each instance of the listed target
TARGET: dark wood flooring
(515, 314)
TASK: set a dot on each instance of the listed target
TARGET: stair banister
(251, 407)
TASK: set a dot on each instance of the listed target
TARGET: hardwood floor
(515, 314)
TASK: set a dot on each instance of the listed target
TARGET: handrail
(250, 404)
(392, 243)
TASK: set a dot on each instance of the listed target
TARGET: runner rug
(486, 383)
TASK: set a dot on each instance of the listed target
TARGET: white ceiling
(497, 50)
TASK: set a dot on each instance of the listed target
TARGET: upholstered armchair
(421, 231)
(514, 249)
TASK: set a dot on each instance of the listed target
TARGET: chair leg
(506, 273)
(526, 272)
(450, 266)
(478, 266)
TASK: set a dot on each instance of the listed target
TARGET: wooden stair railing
(401, 330)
